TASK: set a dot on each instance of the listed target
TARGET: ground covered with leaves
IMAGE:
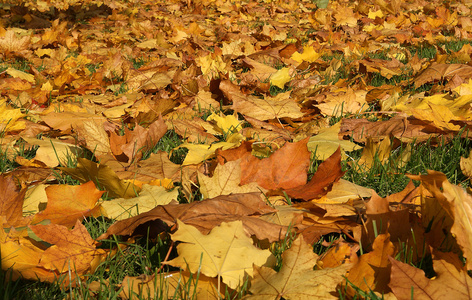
(235, 149)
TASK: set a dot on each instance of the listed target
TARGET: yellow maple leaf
(225, 181)
(439, 115)
(326, 142)
(201, 152)
(53, 152)
(297, 279)
(19, 74)
(226, 124)
(280, 78)
(226, 252)
(309, 54)
(149, 197)
(211, 65)
(10, 118)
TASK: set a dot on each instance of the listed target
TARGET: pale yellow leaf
(226, 252)
(225, 181)
(149, 197)
(326, 142)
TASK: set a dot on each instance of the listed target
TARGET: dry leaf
(226, 252)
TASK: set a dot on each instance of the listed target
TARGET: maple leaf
(437, 72)
(401, 128)
(200, 152)
(286, 168)
(226, 252)
(372, 271)
(102, 176)
(325, 143)
(157, 166)
(10, 43)
(202, 287)
(206, 214)
(451, 280)
(263, 109)
(457, 203)
(280, 78)
(52, 152)
(72, 249)
(68, 203)
(439, 115)
(11, 202)
(342, 191)
(65, 120)
(195, 130)
(399, 223)
(344, 102)
(149, 197)
(19, 74)
(297, 279)
(225, 124)
(10, 118)
(320, 184)
(225, 181)
(133, 143)
(21, 257)
(71, 253)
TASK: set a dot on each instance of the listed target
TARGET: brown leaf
(192, 130)
(399, 223)
(225, 181)
(286, 168)
(263, 109)
(135, 142)
(157, 166)
(223, 156)
(11, 202)
(322, 181)
(206, 214)
(399, 127)
(451, 280)
(340, 252)
(439, 72)
(102, 176)
(73, 250)
(458, 205)
(372, 271)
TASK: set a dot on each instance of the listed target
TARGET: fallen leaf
(174, 283)
(102, 176)
(458, 205)
(297, 279)
(451, 280)
(372, 271)
(149, 197)
(205, 215)
(322, 181)
(286, 168)
(53, 152)
(225, 181)
(67, 204)
(437, 72)
(325, 143)
(226, 252)
(11, 202)
(276, 107)
(198, 153)
(72, 251)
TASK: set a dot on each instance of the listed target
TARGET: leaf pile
(202, 122)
